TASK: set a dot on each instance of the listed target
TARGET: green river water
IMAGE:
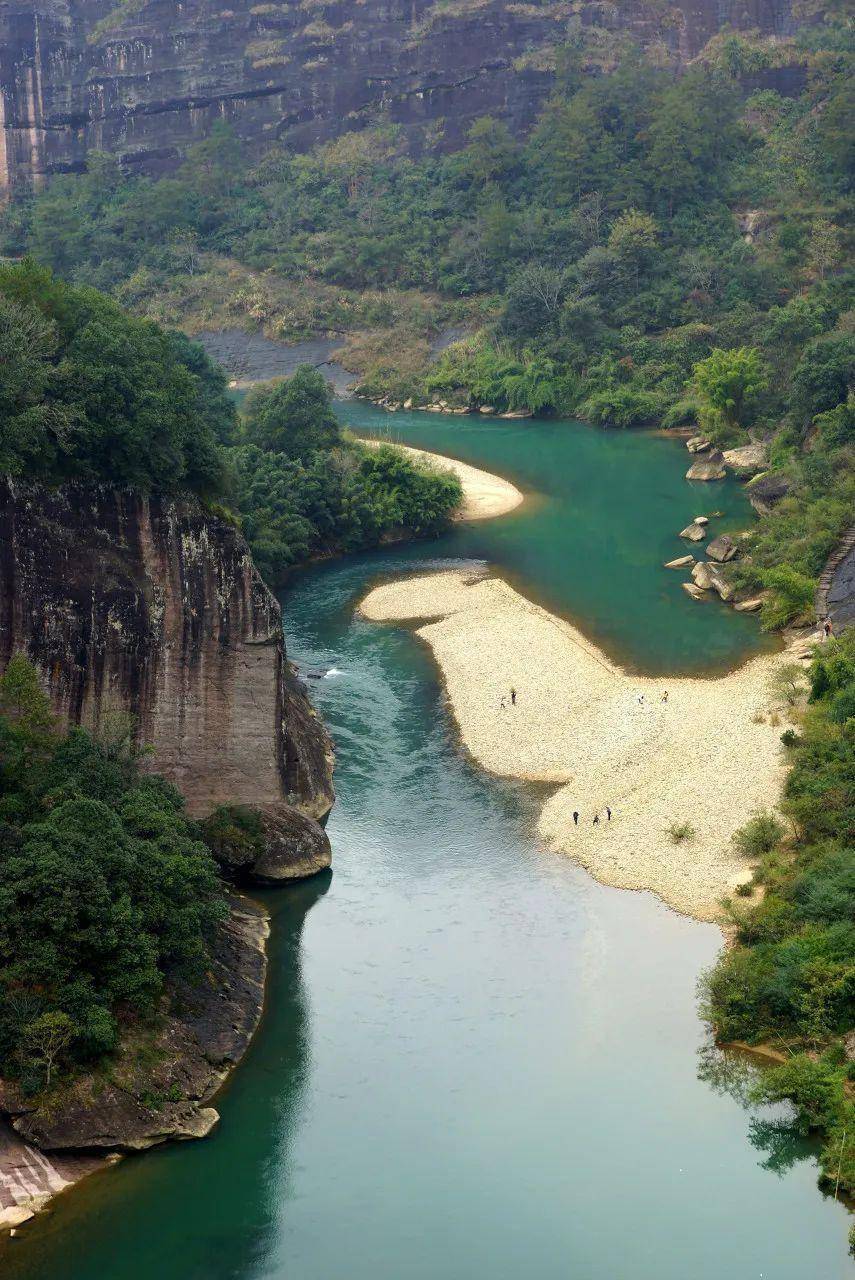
(476, 1063)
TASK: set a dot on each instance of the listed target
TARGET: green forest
(89, 392)
(661, 250)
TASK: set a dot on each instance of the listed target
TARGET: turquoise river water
(476, 1063)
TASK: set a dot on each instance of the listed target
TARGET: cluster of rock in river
(709, 575)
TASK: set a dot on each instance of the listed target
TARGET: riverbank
(154, 1092)
(485, 496)
(706, 758)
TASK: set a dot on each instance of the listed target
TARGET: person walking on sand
(596, 819)
(641, 699)
(665, 696)
(513, 697)
(608, 814)
(575, 817)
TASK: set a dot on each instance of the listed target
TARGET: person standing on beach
(575, 817)
(665, 696)
(513, 697)
(608, 814)
(596, 819)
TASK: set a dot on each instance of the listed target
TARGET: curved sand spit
(484, 495)
(708, 756)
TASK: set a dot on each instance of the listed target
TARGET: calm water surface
(475, 1062)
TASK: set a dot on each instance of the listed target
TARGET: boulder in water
(694, 532)
(694, 591)
(294, 847)
(682, 562)
(722, 548)
(710, 467)
(697, 444)
(701, 576)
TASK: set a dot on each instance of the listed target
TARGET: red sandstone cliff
(144, 78)
(154, 607)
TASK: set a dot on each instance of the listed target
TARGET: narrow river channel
(476, 1063)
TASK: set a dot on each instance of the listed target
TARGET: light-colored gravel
(708, 756)
(484, 495)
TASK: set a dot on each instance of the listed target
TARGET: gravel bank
(708, 756)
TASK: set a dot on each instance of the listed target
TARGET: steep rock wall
(143, 78)
(152, 606)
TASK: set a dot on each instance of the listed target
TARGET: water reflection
(777, 1132)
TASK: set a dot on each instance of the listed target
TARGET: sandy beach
(484, 495)
(709, 756)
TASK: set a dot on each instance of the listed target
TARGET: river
(475, 1061)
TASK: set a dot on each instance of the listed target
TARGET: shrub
(680, 832)
(759, 836)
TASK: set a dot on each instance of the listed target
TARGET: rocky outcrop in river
(144, 78)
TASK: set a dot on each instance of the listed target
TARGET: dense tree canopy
(89, 392)
(105, 887)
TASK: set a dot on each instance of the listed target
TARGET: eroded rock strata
(144, 78)
(153, 607)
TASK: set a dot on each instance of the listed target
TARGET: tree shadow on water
(732, 1073)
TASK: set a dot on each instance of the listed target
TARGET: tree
(213, 164)
(633, 238)
(22, 697)
(787, 683)
(824, 374)
(293, 416)
(823, 247)
(46, 1038)
(728, 382)
(491, 152)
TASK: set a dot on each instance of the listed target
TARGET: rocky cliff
(143, 78)
(152, 606)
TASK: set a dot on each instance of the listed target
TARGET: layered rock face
(143, 78)
(153, 607)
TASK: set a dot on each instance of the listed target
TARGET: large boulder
(697, 444)
(722, 548)
(719, 582)
(294, 847)
(701, 576)
(748, 459)
(681, 562)
(266, 846)
(694, 532)
(708, 467)
(766, 491)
